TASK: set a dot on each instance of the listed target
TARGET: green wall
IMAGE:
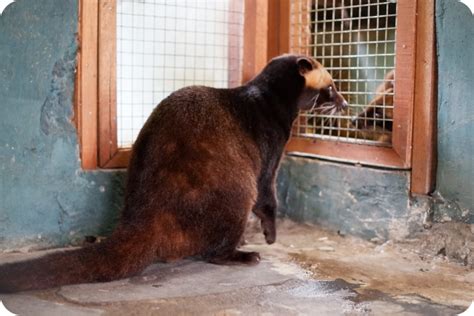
(45, 198)
(455, 176)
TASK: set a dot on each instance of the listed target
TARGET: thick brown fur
(203, 161)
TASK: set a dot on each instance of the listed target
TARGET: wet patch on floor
(391, 268)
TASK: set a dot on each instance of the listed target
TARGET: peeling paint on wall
(56, 110)
(45, 198)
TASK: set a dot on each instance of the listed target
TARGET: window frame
(414, 134)
(266, 34)
(96, 87)
(96, 102)
(397, 156)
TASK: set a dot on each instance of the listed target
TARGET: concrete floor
(309, 271)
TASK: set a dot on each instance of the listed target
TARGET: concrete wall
(455, 176)
(45, 198)
(367, 202)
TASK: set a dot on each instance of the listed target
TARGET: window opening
(165, 45)
(355, 41)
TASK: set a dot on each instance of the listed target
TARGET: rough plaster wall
(362, 201)
(455, 177)
(45, 198)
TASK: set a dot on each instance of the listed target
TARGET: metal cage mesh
(355, 41)
(164, 45)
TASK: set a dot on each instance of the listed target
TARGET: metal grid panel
(164, 45)
(355, 41)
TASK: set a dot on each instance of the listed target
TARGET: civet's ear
(304, 65)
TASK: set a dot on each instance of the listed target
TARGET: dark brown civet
(202, 162)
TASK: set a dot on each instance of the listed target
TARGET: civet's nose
(342, 104)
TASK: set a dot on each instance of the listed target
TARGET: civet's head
(319, 93)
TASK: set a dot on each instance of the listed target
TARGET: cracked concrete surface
(309, 271)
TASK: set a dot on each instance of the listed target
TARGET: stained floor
(309, 271)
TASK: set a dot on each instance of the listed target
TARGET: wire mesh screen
(355, 41)
(164, 45)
